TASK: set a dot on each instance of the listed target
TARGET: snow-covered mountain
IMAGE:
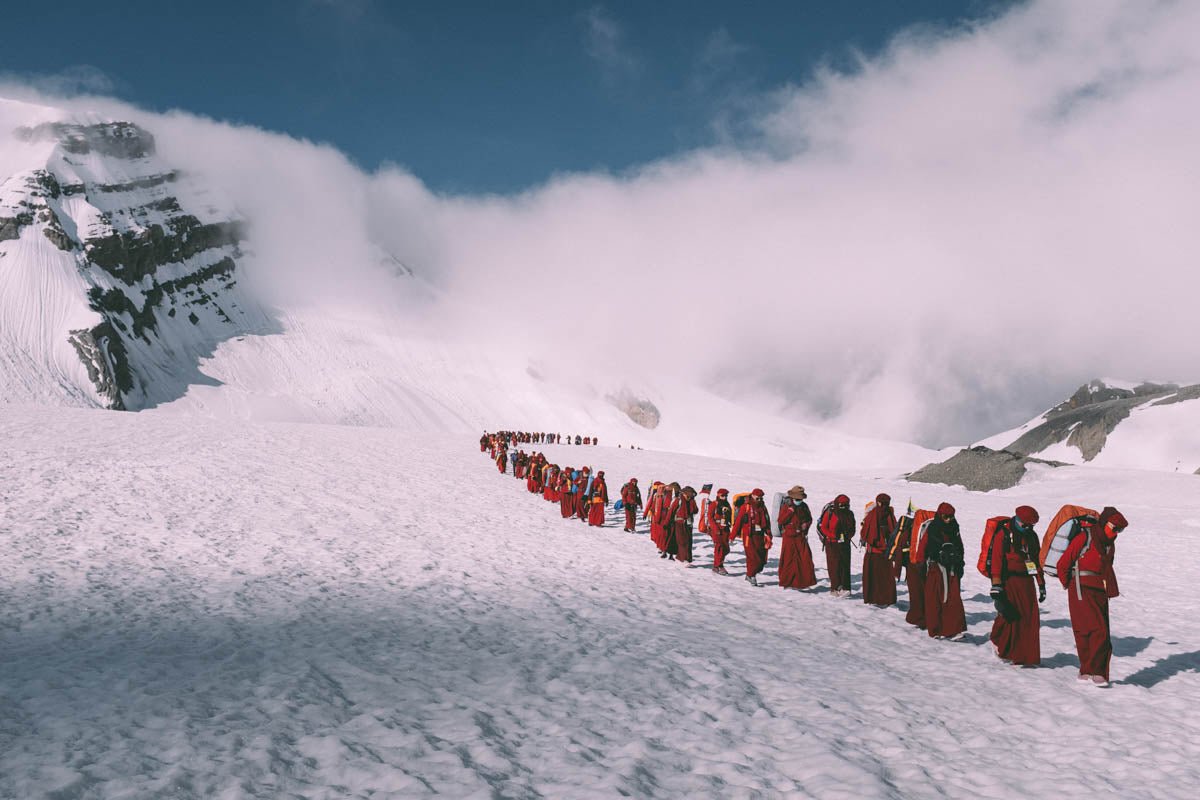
(1111, 423)
(117, 272)
(124, 284)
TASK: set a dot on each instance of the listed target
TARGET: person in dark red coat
(683, 510)
(580, 495)
(566, 500)
(599, 501)
(752, 524)
(944, 563)
(837, 530)
(663, 513)
(1018, 585)
(502, 460)
(796, 569)
(1086, 572)
(649, 512)
(720, 523)
(631, 499)
(879, 584)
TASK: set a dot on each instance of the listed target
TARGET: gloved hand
(997, 596)
(1041, 593)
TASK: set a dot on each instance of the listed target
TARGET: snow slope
(217, 608)
(1157, 430)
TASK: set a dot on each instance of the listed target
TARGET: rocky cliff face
(153, 259)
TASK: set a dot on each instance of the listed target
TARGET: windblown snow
(215, 608)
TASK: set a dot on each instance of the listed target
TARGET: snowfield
(201, 607)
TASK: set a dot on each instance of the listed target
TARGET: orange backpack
(916, 544)
(985, 546)
(1059, 534)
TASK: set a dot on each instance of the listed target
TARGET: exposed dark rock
(1092, 413)
(107, 362)
(979, 469)
(115, 139)
(10, 227)
(641, 411)
(1186, 393)
(129, 257)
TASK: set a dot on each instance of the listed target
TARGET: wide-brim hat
(797, 493)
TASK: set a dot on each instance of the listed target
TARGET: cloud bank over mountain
(931, 247)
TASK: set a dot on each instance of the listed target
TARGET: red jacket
(794, 520)
(838, 526)
(682, 510)
(751, 519)
(1013, 551)
(1093, 556)
(875, 529)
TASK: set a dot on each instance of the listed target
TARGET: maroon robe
(598, 509)
(1018, 641)
(752, 525)
(916, 595)
(796, 569)
(566, 500)
(944, 614)
(836, 534)
(679, 517)
(719, 521)
(1088, 592)
(879, 584)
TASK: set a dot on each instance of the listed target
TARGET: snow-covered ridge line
(106, 264)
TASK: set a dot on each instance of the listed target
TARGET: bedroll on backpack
(1062, 529)
(921, 537)
(702, 524)
(985, 546)
(898, 537)
(916, 548)
(739, 500)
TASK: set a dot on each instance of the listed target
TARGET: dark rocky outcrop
(136, 233)
(113, 139)
(1091, 414)
(640, 410)
(980, 469)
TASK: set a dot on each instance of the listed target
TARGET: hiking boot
(1099, 680)
(721, 571)
(662, 555)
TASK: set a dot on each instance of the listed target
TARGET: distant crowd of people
(923, 548)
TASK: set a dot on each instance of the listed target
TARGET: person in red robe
(944, 563)
(483, 443)
(666, 521)
(796, 569)
(566, 500)
(915, 576)
(837, 531)
(631, 499)
(752, 524)
(879, 584)
(1086, 572)
(1018, 585)
(580, 494)
(502, 460)
(648, 514)
(720, 523)
(599, 501)
(550, 485)
(683, 510)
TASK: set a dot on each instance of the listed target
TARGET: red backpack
(985, 546)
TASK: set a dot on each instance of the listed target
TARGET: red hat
(633, 480)
(600, 474)
(757, 493)
(841, 500)
(883, 499)
(945, 508)
(722, 492)
(1110, 514)
(1027, 515)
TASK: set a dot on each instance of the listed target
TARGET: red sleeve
(739, 519)
(998, 553)
(785, 516)
(1068, 559)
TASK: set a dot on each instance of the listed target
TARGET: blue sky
(470, 96)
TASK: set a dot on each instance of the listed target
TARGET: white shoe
(1099, 680)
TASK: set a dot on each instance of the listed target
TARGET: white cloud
(604, 41)
(932, 247)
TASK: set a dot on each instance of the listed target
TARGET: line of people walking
(923, 548)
